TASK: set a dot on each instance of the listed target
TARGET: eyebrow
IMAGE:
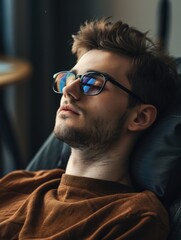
(92, 70)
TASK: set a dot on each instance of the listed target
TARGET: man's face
(94, 121)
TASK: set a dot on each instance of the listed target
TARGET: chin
(64, 131)
(71, 135)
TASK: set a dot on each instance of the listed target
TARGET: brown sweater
(52, 205)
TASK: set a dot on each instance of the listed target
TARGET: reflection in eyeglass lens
(87, 82)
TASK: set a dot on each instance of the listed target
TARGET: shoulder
(144, 214)
(149, 200)
(21, 178)
(148, 205)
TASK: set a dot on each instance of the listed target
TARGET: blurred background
(38, 34)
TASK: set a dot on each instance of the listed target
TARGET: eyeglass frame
(106, 76)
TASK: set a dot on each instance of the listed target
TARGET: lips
(69, 109)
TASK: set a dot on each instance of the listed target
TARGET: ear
(143, 117)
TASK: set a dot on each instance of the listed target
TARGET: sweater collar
(95, 185)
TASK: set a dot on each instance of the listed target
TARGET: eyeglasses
(91, 83)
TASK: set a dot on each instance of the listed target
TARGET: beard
(97, 135)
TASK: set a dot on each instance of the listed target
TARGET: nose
(73, 90)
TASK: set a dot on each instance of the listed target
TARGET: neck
(111, 164)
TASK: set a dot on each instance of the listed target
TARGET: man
(119, 86)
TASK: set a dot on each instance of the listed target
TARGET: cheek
(110, 108)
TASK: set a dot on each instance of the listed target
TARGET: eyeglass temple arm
(125, 89)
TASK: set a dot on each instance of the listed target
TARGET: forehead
(111, 63)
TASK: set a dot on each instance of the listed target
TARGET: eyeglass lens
(90, 83)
